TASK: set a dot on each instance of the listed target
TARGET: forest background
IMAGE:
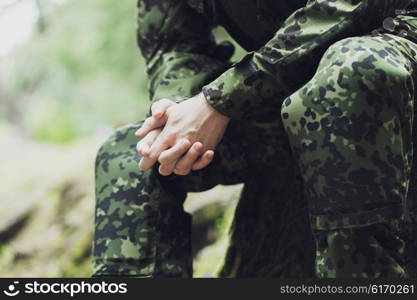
(70, 74)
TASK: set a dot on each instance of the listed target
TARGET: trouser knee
(350, 131)
(359, 80)
(140, 226)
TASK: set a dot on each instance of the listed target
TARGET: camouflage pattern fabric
(367, 252)
(263, 78)
(340, 99)
(350, 129)
(141, 227)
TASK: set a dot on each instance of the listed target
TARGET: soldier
(321, 79)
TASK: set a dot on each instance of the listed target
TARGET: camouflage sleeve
(264, 78)
(179, 49)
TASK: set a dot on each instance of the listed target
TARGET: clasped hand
(181, 137)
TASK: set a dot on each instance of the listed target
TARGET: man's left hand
(192, 127)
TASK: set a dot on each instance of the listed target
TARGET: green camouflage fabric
(328, 86)
(141, 227)
(263, 78)
(375, 251)
(350, 129)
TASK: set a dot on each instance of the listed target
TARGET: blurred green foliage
(81, 72)
(79, 76)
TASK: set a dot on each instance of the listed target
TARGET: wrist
(202, 99)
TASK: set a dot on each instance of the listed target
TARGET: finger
(159, 107)
(174, 153)
(157, 147)
(204, 160)
(186, 162)
(145, 149)
(145, 163)
(162, 143)
(149, 124)
(144, 145)
(167, 169)
(169, 158)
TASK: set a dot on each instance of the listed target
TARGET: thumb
(159, 108)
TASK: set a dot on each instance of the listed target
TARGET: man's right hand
(151, 129)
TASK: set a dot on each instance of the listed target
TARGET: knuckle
(163, 159)
(195, 152)
(181, 167)
(147, 138)
(152, 121)
(164, 171)
(169, 139)
(152, 157)
(192, 134)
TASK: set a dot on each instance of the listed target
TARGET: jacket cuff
(243, 91)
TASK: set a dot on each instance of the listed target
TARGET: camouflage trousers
(349, 132)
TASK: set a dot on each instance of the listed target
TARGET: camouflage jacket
(285, 40)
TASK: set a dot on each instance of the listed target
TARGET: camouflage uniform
(323, 83)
